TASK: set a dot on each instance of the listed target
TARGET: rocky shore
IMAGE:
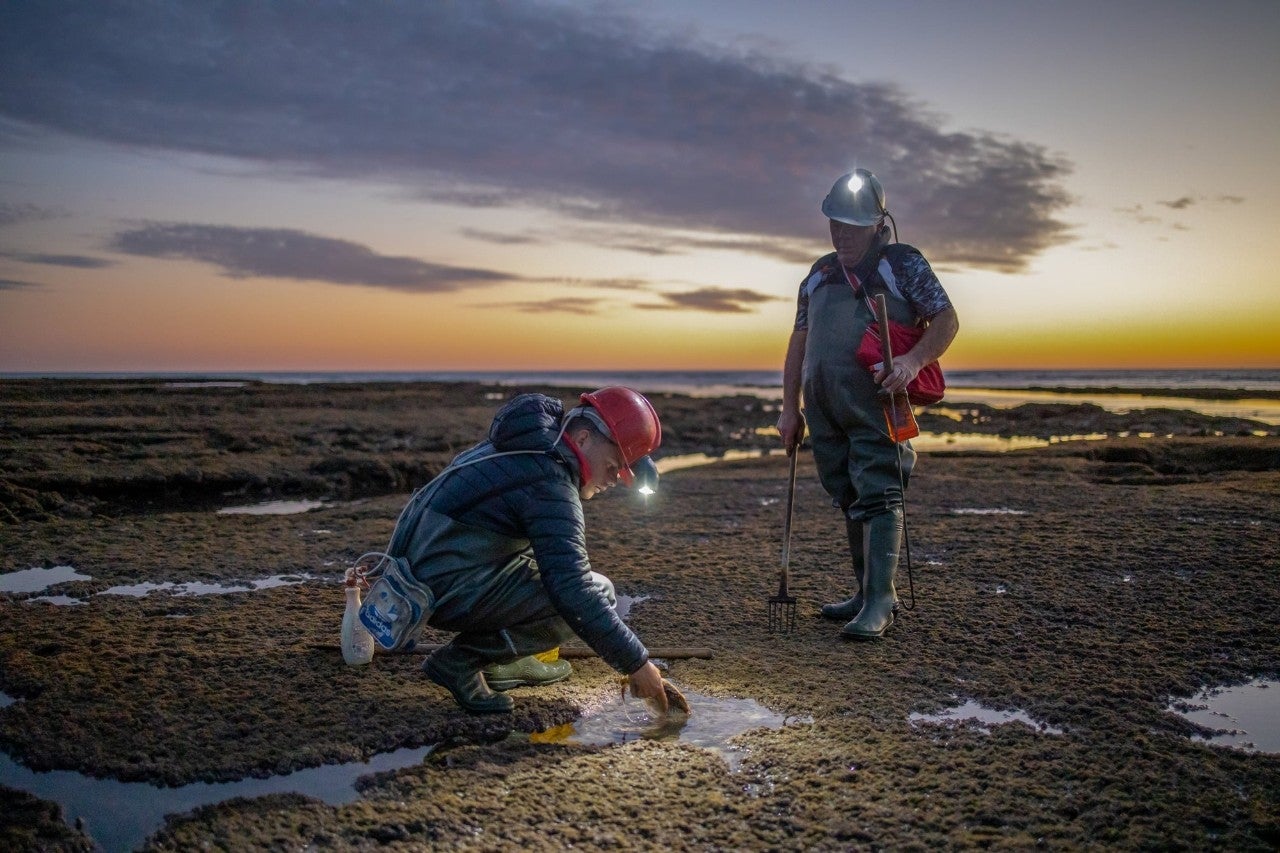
(1088, 584)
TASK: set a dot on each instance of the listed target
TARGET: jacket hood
(527, 422)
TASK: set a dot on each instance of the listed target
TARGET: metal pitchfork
(782, 607)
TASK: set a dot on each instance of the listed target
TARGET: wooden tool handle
(575, 652)
(791, 505)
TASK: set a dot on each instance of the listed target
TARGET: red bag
(928, 386)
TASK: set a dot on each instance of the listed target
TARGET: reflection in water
(984, 717)
(35, 580)
(626, 602)
(1246, 716)
(1267, 411)
(142, 590)
(1004, 510)
(272, 508)
(120, 815)
(58, 600)
(691, 460)
(926, 442)
(711, 724)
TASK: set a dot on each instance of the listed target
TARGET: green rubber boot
(458, 671)
(849, 608)
(526, 672)
(882, 535)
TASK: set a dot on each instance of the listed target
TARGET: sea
(1252, 394)
(718, 382)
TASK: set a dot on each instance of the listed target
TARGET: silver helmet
(856, 199)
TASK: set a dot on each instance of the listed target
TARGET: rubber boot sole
(868, 635)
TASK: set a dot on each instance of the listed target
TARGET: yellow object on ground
(549, 657)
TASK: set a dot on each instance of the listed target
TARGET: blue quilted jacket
(507, 509)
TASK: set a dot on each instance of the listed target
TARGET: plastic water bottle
(357, 642)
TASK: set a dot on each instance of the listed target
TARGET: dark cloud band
(489, 103)
(285, 253)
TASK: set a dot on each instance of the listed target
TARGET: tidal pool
(1245, 716)
(45, 578)
(712, 723)
(120, 815)
(626, 602)
(272, 508)
(36, 580)
(142, 590)
(981, 717)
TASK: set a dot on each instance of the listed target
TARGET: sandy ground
(1116, 575)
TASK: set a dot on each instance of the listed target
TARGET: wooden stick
(573, 652)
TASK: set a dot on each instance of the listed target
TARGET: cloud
(562, 305)
(11, 213)
(489, 104)
(718, 300)
(1179, 203)
(83, 262)
(500, 238)
(10, 284)
(285, 253)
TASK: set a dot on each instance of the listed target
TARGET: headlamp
(855, 183)
(645, 474)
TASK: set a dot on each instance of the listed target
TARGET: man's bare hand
(646, 683)
(791, 428)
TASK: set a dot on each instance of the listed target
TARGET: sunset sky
(201, 186)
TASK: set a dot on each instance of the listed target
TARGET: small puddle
(211, 384)
(626, 602)
(120, 815)
(142, 590)
(982, 717)
(692, 460)
(712, 723)
(272, 508)
(1001, 510)
(36, 580)
(1246, 716)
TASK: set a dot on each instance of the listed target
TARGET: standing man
(499, 539)
(857, 461)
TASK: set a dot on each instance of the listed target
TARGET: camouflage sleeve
(922, 288)
(802, 308)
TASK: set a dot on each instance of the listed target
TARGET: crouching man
(499, 539)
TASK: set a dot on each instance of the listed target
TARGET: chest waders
(861, 468)
(488, 589)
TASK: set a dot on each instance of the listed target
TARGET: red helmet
(632, 422)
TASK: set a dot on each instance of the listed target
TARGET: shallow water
(120, 815)
(1248, 715)
(712, 723)
(982, 717)
(272, 508)
(626, 602)
(142, 590)
(35, 580)
(1267, 411)
(1002, 510)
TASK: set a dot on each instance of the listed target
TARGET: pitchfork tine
(782, 607)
